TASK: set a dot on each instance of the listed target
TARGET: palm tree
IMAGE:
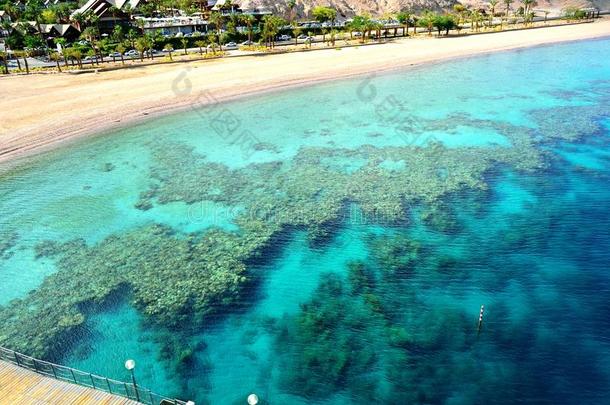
(360, 24)
(93, 55)
(4, 58)
(55, 56)
(217, 20)
(333, 36)
(24, 54)
(201, 45)
(249, 20)
(169, 48)
(78, 55)
(212, 41)
(120, 48)
(271, 26)
(185, 43)
(140, 23)
(475, 18)
(324, 32)
(296, 31)
(141, 47)
(492, 6)
(507, 3)
(62, 45)
(527, 6)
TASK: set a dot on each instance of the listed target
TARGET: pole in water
(480, 320)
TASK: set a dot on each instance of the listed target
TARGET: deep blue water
(512, 213)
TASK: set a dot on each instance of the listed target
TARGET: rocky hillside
(348, 8)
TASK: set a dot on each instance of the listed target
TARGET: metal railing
(71, 375)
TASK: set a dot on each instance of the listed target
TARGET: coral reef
(175, 280)
(8, 240)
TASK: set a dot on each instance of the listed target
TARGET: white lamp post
(130, 365)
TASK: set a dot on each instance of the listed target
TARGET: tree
(48, 16)
(217, 20)
(271, 27)
(62, 42)
(201, 45)
(32, 41)
(546, 14)
(444, 23)
(404, 18)
(362, 24)
(185, 43)
(24, 54)
(141, 47)
(249, 20)
(55, 56)
(333, 36)
(460, 12)
(93, 55)
(4, 58)
(169, 48)
(155, 38)
(118, 34)
(79, 20)
(140, 23)
(427, 21)
(492, 7)
(507, 3)
(212, 42)
(120, 48)
(324, 14)
(475, 19)
(527, 10)
(90, 34)
(296, 31)
(78, 55)
(132, 36)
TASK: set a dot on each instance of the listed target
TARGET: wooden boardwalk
(23, 387)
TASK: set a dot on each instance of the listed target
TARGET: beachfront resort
(38, 35)
(304, 202)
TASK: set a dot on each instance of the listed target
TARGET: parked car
(247, 43)
(357, 34)
(90, 59)
(154, 52)
(132, 53)
(114, 55)
(302, 36)
(230, 45)
(284, 37)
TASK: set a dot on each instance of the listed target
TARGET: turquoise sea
(333, 244)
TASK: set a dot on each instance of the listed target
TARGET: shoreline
(70, 114)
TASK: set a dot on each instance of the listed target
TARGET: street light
(130, 365)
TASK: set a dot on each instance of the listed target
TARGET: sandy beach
(38, 112)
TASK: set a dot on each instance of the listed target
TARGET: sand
(38, 112)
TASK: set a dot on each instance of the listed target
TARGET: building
(171, 26)
(109, 12)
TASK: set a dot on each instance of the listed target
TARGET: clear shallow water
(512, 214)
